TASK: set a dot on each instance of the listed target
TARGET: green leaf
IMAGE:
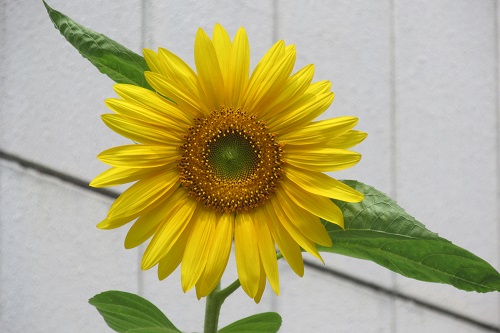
(267, 322)
(377, 229)
(111, 58)
(124, 311)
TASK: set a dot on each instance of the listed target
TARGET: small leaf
(379, 230)
(124, 311)
(111, 58)
(267, 322)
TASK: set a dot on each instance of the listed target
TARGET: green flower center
(232, 156)
(230, 162)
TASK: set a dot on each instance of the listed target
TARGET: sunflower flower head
(226, 155)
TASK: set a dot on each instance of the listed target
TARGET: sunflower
(220, 156)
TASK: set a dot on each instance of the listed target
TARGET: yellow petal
(179, 73)
(222, 45)
(153, 61)
(306, 110)
(108, 224)
(220, 249)
(247, 253)
(146, 225)
(262, 285)
(267, 250)
(321, 159)
(347, 140)
(169, 231)
(275, 53)
(146, 114)
(320, 87)
(190, 105)
(140, 156)
(239, 67)
(319, 131)
(209, 73)
(196, 253)
(152, 100)
(178, 70)
(292, 89)
(287, 246)
(143, 195)
(317, 205)
(311, 93)
(139, 131)
(296, 234)
(306, 223)
(174, 257)
(321, 184)
(272, 83)
(122, 175)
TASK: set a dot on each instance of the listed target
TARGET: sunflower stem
(215, 300)
(224, 293)
(214, 303)
(212, 311)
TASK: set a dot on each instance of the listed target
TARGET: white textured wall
(422, 76)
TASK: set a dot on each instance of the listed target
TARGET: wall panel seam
(393, 138)
(400, 296)
(496, 33)
(78, 182)
(275, 23)
(142, 42)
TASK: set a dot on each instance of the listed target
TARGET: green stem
(212, 311)
(214, 303)
(224, 293)
(215, 300)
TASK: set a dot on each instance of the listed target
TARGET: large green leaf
(267, 322)
(377, 229)
(124, 312)
(111, 58)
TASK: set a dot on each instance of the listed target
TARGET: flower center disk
(230, 161)
(232, 156)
